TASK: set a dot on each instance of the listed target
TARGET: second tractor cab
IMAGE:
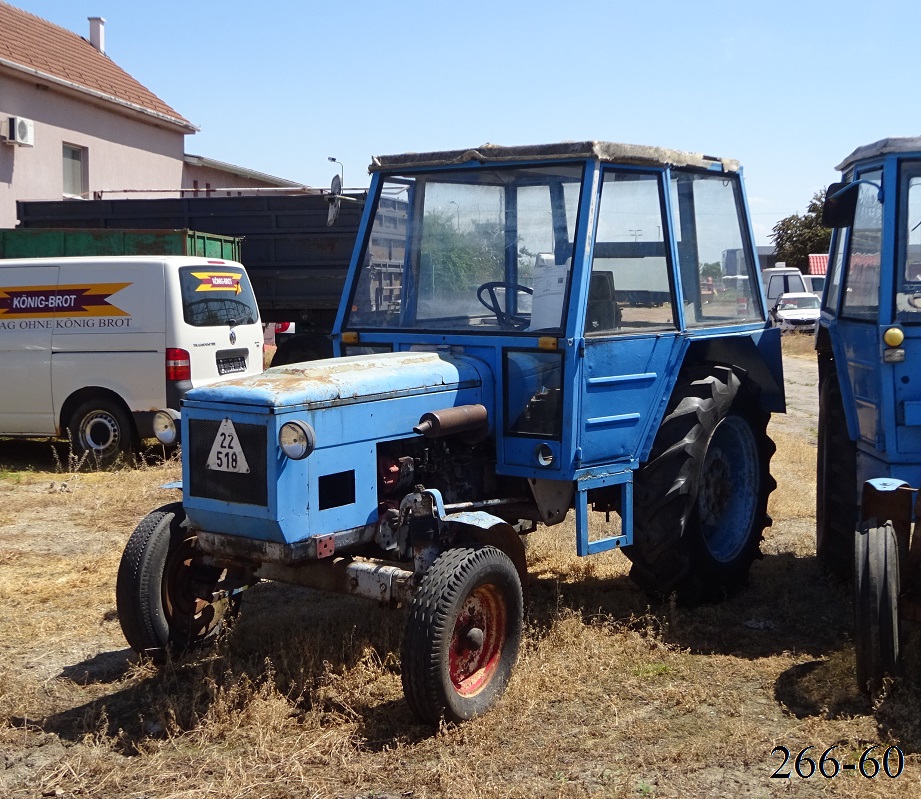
(869, 353)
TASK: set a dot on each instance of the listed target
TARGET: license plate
(226, 366)
(227, 452)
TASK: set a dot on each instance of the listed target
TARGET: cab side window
(629, 287)
(861, 278)
(714, 249)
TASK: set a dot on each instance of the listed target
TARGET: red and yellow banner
(219, 281)
(48, 302)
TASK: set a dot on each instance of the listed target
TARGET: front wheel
(462, 635)
(876, 605)
(166, 597)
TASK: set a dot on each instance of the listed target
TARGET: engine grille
(246, 489)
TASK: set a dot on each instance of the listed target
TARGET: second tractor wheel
(462, 635)
(836, 481)
(876, 605)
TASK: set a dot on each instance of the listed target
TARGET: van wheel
(100, 429)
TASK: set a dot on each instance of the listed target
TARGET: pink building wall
(122, 152)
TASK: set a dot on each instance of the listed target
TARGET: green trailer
(63, 242)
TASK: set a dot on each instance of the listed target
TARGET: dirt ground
(612, 696)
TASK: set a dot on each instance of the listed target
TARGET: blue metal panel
(860, 380)
(347, 433)
(362, 378)
(624, 378)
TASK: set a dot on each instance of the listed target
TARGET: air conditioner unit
(21, 131)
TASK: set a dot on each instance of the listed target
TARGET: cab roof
(894, 144)
(607, 152)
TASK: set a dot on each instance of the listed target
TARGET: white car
(795, 311)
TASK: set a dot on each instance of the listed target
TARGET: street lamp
(636, 234)
(334, 160)
(454, 203)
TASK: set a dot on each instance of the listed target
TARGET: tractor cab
(579, 275)
(525, 332)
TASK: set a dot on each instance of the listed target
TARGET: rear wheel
(702, 495)
(101, 430)
(166, 597)
(876, 605)
(462, 635)
(302, 348)
(836, 481)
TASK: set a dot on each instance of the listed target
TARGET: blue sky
(787, 88)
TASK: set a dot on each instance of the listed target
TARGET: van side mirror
(840, 205)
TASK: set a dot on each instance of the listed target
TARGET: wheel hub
(715, 487)
(100, 433)
(728, 491)
(476, 643)
(189, 589)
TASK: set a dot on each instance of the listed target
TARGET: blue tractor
(524, 332)
(869, 457)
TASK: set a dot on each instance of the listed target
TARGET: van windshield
(217, 294)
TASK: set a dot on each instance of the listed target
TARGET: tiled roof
(818, 264)
(42, 48)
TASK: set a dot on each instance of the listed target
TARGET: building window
(75, 171)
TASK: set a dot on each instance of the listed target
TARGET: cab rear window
(216, 294)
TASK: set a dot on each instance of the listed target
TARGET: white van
(815, 284)
(781, 280)
(92, 347)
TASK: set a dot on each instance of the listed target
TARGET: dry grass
(613, 696)
(793, 468)
(798, 345)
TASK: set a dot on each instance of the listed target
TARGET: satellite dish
(335, 200)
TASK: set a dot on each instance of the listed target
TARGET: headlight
(296, 439)
(166, 427)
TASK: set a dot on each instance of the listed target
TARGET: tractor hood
(343, 381)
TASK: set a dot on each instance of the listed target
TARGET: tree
(795, 236)
(713, 270)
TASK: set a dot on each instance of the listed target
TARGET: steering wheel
(491, 303)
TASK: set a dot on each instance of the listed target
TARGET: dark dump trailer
(296, 261)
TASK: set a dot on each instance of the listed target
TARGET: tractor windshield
(480, 250)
